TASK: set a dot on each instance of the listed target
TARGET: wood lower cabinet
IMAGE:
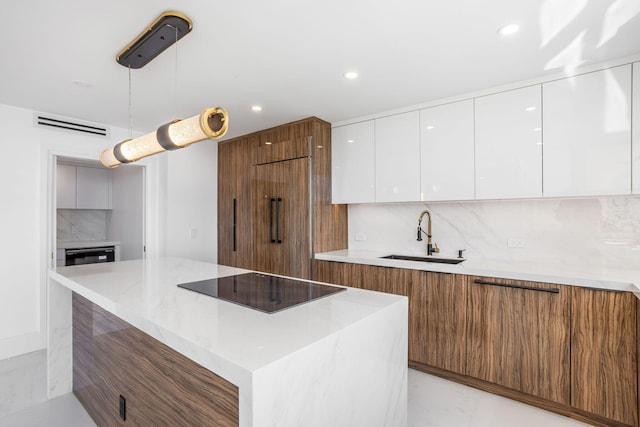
(369, 277)
(386, 279)
(604, 361)
(437, 320)
(113, 360)
(518, 336)
(338, 273)
(567, 349)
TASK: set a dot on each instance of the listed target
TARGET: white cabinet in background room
(353, 163)
(398, 158)
(508, 145)
(447, 152)
(80, 187)
(66, 186)
(587, 134)
(635, 151)
(94, 188)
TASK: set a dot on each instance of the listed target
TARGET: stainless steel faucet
(431, 248)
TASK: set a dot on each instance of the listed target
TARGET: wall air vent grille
(64, 123)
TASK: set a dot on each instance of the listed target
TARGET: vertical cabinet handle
(235, 224)
(271, 202)
(278, 200)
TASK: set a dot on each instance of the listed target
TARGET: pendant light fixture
(166, 30)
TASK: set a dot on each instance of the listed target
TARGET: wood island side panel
(161, 387)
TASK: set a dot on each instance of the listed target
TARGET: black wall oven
(80, 256)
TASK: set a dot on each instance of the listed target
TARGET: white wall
(192, 202)
(28, 220)
(180, 195)
(598, 231)
(24, 256)
(127, 213)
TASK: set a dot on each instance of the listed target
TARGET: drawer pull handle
(510, 285)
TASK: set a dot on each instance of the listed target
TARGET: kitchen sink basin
(425, 259)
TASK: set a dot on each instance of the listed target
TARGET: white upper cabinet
(80, 187)
(65, 187)
(508, 144)
(94, 188)
(398, 158)
(587, 134)
(446, 151)
(635, 169)
(353, 163)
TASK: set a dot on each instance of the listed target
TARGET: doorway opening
(97, 207)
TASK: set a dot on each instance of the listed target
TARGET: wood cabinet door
(234, 203)
(272, 150)
(386, 279)
(338, 273)
(281, 218)
(518, 336)
(604, 368)
(437, 320)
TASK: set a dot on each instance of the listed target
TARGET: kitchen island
(337, 360)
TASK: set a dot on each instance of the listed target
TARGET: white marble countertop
(228, 339)
(85, 244)
(587, 276)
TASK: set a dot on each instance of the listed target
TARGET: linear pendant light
(210, 123)
(166, 30)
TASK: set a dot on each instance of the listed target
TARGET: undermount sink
(425, 259)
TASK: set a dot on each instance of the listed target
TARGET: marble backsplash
(598, 231)
(74, 225)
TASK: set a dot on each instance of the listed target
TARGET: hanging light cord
(130, 116)
(175, 77)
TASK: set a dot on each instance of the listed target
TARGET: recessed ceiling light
(351, 141)
(508, 29)
(530, 109)
(350, 75)
(256, 108)
(430, 127)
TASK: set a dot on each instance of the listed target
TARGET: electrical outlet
(193, 233)
(360, 237)
(74, 229)
(514, 242)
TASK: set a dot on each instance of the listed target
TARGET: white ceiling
(289, 56)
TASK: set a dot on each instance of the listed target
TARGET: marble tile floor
(433, 402)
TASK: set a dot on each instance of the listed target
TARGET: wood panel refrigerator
(283, 217)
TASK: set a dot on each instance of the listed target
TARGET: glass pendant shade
(210, 123)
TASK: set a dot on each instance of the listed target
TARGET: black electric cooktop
(261, 291)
